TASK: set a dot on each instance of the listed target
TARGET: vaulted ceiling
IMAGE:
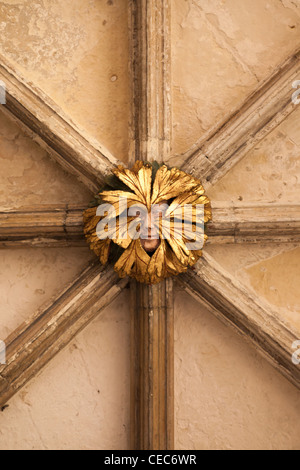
(251, 105)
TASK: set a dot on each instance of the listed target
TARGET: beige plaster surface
(77, 52)
(79, 401)
(270, 271)
(30, 278)
(28, 176)
(270, 173)
(227, 396)
(277, 279)
(221, 50)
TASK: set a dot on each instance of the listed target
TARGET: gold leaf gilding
(172, 257)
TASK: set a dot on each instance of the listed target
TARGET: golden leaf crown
(147, 185)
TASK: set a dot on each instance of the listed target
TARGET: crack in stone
(221, 39)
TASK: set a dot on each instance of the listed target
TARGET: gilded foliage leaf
(179, 246)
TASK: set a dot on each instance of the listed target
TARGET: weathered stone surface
(270, 172)
(221, 51)
(272, 272)
(219, 56)
(152, 318)
(277, 279)
(31, 278)
(256, 30)
(227, 396)
(74, 54)
(47, 331)
(234, 304)
(86, 389)
(42, 226)
(28, 176)
(261, 223)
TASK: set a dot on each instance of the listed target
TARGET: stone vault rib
(235, 305)
(62, 226)
(35, 112)
(150, 66)
(255, 224)
(42, 226)
(152, 313)
(261, 113)
(31, 346)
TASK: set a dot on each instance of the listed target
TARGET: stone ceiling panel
(81, 400)
(227, 397)
(271, 271)
(30, 278)
(270, 173)
(221, 52)
(29, 177)
(71, 51)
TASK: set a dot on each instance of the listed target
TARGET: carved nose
(148, 229)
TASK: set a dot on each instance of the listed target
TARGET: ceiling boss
(149, 222)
